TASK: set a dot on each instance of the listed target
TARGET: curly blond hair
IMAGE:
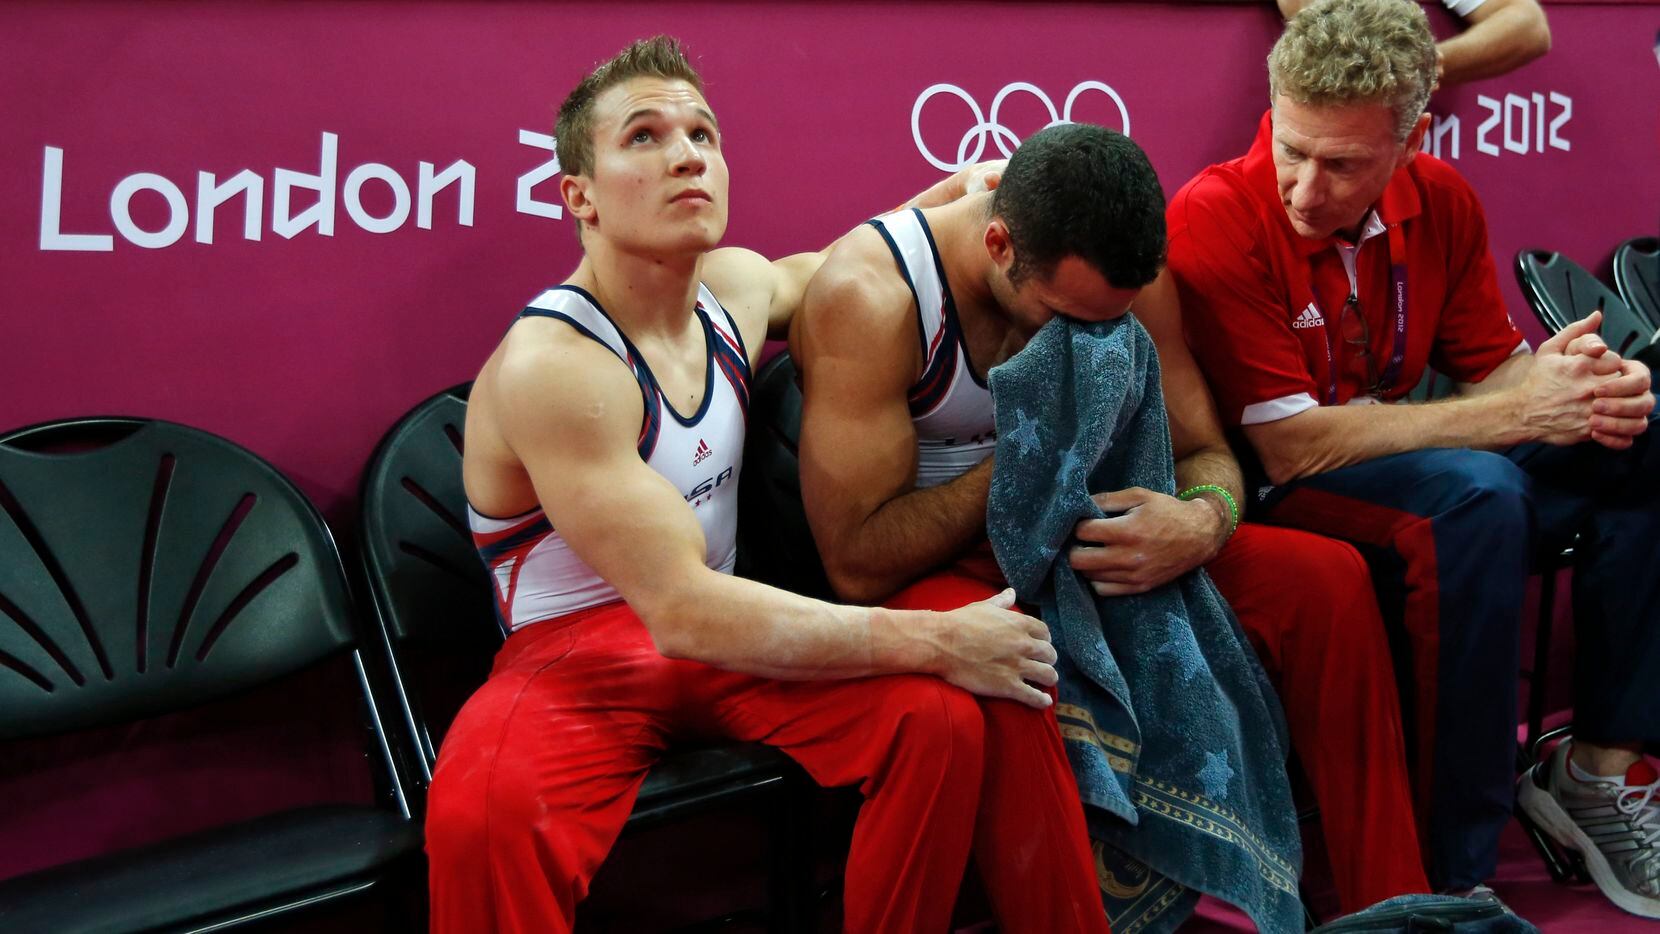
(1357, 51)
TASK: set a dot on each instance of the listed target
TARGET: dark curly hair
(1082, 190)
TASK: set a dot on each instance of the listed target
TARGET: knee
(475, 805)
(1486, 474)
(1334, 584)
(455, 818)
(1487, 485)
(1309, 557)
(935, 721)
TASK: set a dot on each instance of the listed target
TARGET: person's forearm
(745, 626)
(1214, 466)
(1211, 467)
(1506, 375)
(908, 536)
(1328, 437)
(1508, 39)
(964, 181)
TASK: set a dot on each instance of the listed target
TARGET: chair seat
(228, 872)
(690, 778)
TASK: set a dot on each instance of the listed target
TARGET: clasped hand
(1580, 389)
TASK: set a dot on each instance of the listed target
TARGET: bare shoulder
(547, 382)
(1159, 309)
(858, 294)
(744, 281)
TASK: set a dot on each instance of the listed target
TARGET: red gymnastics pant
(1305, 601)
(541, 768)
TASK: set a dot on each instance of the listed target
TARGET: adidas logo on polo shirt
(1310, 318)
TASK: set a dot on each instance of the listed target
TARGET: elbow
(1538, 38)
(1278, 472)
(673, 631)
(857, 586)
(1281, 467)
(672, 639)
(1532, 36)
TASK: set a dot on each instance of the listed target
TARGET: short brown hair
(573, 131)
(1357, 51)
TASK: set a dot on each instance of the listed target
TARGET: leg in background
(1461, 522)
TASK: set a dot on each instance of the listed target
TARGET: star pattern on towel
(1181, 649)
(1216, 774)
(1072, 468)
(1025, 433)
(1096, 348)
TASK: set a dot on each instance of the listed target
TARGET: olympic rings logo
(989, 127)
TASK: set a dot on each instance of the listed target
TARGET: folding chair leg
(1563, 865)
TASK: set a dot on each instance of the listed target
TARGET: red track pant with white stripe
(541, 768)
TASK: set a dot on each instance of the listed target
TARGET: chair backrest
(1432, 386)
(775, 544)
(431, 593)
(1560, 291)
(147, 567)
(1637, 276)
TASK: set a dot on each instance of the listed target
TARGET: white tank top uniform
(951, 406)
(537, 576)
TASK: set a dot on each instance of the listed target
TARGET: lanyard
(1397, 291)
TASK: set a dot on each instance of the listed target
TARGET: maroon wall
(306, 348)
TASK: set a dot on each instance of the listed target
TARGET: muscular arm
(1158, 538)
(571, 416)
(856, 344)
(1500, 36)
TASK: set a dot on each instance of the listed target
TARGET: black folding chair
(1637, 277)
(433, 602)
(1560, 291)
(774, 542)
(146, 568)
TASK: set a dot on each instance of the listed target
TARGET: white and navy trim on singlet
(536, 574)
(950, 404)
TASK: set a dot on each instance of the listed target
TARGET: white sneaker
(1614, 826)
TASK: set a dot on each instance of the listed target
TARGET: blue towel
(1172, 728)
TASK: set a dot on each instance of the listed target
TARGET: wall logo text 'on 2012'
(1516, 123)
(971, 148)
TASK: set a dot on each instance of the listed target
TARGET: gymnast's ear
(998, 245)
(574, 189)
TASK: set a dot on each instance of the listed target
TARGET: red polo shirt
(1261, 304)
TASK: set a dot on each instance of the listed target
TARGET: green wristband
(1233, 507)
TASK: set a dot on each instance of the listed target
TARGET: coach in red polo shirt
(1320, 274)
